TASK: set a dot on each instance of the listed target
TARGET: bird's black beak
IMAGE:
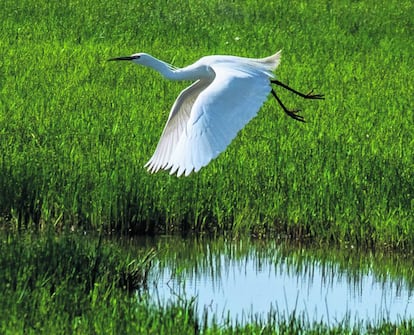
(121, 58)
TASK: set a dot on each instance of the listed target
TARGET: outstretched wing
(176, 123)
(219, 112)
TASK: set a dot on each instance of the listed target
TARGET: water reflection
(238, 279)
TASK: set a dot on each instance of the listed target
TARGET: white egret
(226, 94)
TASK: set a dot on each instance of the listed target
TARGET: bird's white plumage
(227, 93)
(207, 116)
(177, 121)
(217, 115)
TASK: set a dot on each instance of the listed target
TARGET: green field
(76, 130)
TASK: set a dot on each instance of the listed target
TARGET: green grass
(75, 131)
(46, 287)
(57, 284)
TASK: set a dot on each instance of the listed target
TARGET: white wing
(219, 112)
(177, 120)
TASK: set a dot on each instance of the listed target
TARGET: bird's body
(226, 94)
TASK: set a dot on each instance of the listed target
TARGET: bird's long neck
(169, 72)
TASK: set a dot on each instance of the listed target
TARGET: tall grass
(75, 131)
(46, 288)
(58, 284)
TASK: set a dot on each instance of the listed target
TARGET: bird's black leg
(310, 95)
(292, 113)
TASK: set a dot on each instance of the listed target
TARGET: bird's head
(139, 58)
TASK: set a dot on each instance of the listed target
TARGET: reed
(46, 287)
(75, 131)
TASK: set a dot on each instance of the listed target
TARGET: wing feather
(218, 113)
(176, 123)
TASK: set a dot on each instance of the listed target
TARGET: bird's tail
(271, 62)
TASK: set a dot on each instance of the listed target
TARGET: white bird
(226, 94)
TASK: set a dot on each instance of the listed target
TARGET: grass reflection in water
(242, 278)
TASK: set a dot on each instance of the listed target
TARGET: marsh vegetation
(75, 132)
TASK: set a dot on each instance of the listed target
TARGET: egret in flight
(226, 93)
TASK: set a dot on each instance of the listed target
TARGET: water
(241, 279)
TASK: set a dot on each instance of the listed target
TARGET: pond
(241, 279)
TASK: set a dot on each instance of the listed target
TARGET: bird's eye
(136, 57)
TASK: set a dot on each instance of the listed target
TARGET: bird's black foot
(310, 95)
(294, 115)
